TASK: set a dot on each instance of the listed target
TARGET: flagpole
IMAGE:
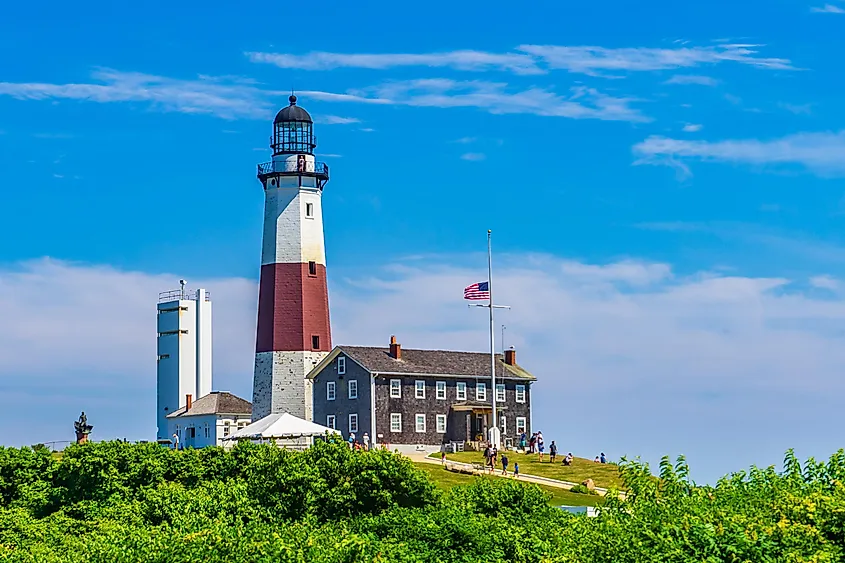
(495, 424)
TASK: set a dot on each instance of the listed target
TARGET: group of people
(363, 445)
(491, 455)
(535, 444)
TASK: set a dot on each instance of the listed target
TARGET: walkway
(468, 468)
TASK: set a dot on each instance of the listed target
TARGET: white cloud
(821, 153)
(226, 97)
(828, 9)
(229, 98)
(685, 79)
(474, 156)
(629, 341)
(465, 140)
(825, 282)
(337, 120)
(461, 60)
(692, 127)
(797, 109)
(530, 59)
(590, 60)
(581, 103)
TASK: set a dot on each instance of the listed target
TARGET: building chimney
(510, 356)
(395, 349)
(189, 400)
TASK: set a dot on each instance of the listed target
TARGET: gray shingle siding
(467, 368)
(342, 406)
(456, 421)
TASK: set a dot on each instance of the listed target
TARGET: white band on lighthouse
(293, 221)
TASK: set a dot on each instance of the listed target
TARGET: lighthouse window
(315, 342)
(309, 210)
(312, 268)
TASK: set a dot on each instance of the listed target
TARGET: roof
(216, 402)
(280, 425)
(292, 113)
(427, 362)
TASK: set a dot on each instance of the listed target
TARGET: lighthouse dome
(292, 113)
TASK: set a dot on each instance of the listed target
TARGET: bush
(114, 503)
(582, 489)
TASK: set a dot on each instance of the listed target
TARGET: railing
(301, 167)
(177, 294)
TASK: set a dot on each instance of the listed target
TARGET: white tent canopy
(280, 425)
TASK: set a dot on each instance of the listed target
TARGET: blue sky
(652, 173)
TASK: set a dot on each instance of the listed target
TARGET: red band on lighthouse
(293, 308)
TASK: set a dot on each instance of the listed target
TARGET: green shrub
(582, 489)
(115, 503)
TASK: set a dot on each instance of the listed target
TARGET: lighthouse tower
(293, 303)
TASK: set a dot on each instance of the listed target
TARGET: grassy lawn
(447, 479)
(603, 475)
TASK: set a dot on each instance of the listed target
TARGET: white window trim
(309, 207)
(349, 388)
(461, 391)
(331, 421)
(500, 387)
(417, 422)
(353, 416)
(441, 417)
(398, 416)
(521, 427)
(417, 389)
(482, 387)
(503, 426)
(398, 388)
(341, 365)
(520, 393)
(441, 386)
(331, 391)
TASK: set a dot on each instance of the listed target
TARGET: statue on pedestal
(82, 429)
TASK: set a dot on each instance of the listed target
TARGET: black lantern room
(293, 131)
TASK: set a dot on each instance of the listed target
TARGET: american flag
(477, 291)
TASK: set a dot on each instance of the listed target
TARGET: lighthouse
(293, 332)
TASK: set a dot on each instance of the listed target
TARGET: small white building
(206, 421)
(184, 352)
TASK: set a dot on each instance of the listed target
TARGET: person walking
(366, 440)
(522, 442)
(504, 464)
(516, 470)
(552, 452)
